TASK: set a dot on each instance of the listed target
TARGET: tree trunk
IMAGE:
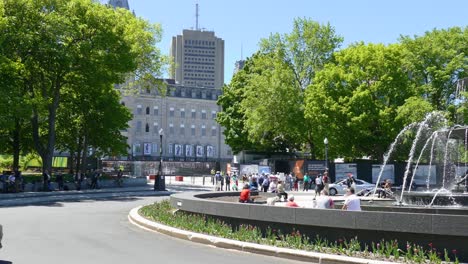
(72, 161)
(16, 144)
(85, 155)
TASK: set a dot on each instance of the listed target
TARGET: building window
(147, 110)
(203, 131)
(171, 129)
(154, 148)
(138, 126)
(147, 128)
(155, 128)
(122, 103)
(171, 112)
(155, 111)
(193, 130)
(229, 152)
(203, 114)
(182, 130)
(182, 113)
(213, 114)
(139, 110)
(194, 114)
(213, 131)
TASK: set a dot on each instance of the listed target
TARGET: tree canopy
(300, 88)
(69, 49)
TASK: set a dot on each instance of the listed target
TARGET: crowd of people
(281, 185)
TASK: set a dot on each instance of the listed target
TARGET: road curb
(314, 257)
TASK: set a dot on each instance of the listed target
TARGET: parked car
(339, 187)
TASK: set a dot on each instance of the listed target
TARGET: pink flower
(454, 251)
(430, 245)
(378, 245)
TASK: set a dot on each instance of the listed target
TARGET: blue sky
(245, 22)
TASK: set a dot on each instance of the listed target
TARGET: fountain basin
(441, 199)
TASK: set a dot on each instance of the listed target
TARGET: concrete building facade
(186, 115)
(198, 58)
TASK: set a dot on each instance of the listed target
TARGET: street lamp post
(159, 180)
(325, 141)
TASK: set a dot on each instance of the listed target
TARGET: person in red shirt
(291, 202)
(245, 195)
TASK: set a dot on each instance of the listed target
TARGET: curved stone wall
(443, 230)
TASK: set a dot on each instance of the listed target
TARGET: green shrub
(386, 250)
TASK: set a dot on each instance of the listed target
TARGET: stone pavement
(28, 198)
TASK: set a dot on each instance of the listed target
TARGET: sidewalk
(32, 198)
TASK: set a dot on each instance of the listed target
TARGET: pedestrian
(78, 181)
(261, 179)
(324, 201)
(326, 181)
(228, 182)
(245, 194)
(306, 183)
(350, 181)
(272, 188)
(254, 184)
(352, 202)
(318, 185)
(281, 191)
(266, 184)
(291, 202)
(221, 178)
(59, 181)
(46, 181)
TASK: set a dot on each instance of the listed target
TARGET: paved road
(98, 231)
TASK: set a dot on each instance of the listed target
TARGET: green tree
(62, 44)
(435, 62)
(232, 117)
(354, 100)
(270, 110)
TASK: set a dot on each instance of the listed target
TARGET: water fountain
(451, 189)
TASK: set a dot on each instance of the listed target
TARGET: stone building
(186, 113)
(187, 116)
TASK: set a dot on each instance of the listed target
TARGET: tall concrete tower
(119, 3)
(198, 58)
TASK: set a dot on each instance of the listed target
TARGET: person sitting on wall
(254, 184)
(272, 187)
(324, 201)
(245, 195)
(291, 202)
(352, 202)
(281, 191)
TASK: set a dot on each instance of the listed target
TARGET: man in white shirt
(352, 202)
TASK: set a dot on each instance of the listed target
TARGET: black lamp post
(159, 183)
(325, 141)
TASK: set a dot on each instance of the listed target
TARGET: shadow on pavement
(126, 197)
(5, 262)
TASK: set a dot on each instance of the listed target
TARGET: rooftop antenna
(196, 17)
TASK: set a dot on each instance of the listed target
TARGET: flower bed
(162, 212)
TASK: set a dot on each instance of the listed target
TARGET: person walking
(306, 183)
(228, 182)
(326, 181)
(46, 181)
(318, 185)
(265, 184)
(59, 181)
